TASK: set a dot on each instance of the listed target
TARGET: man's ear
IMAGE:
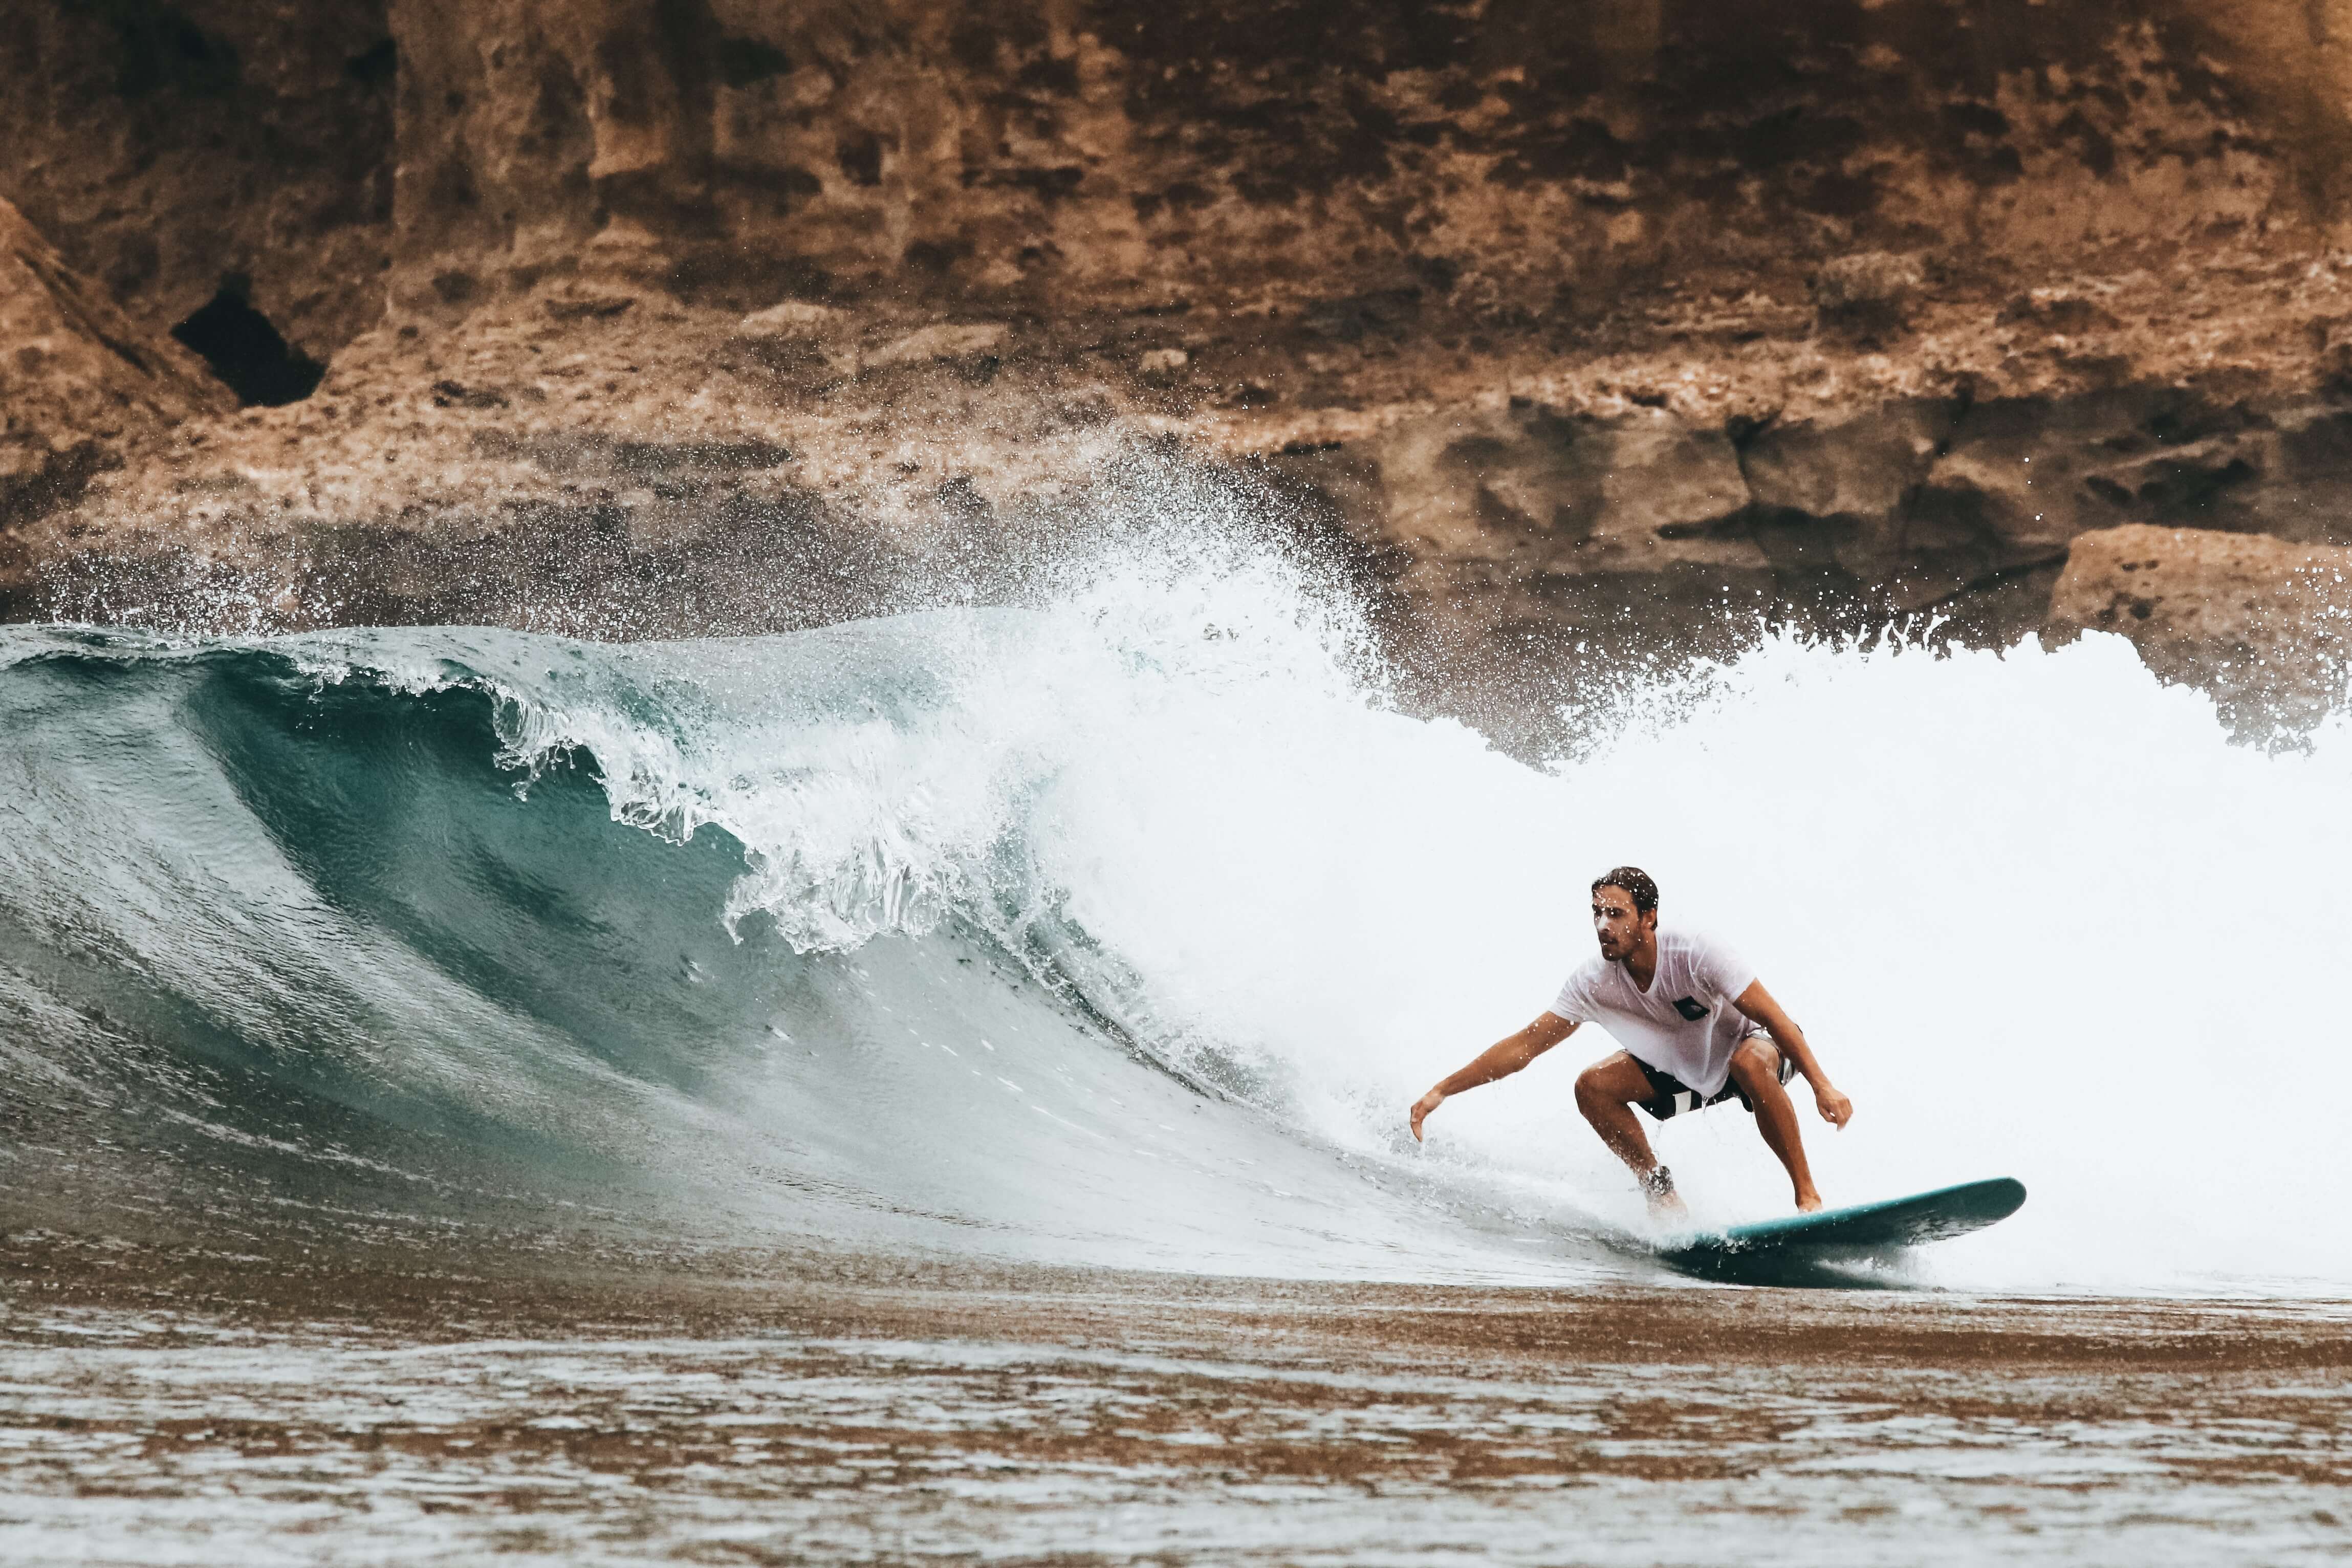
(1649, 918)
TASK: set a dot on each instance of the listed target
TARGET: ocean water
(1121, 927)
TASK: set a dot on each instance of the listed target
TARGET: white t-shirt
(1685, 1023)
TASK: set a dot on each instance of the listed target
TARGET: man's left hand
(1835, 1109)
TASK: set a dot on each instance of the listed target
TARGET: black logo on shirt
(1689, 1008)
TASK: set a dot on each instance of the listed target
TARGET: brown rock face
(78, 379)
(2265, 624)
(1621, 324)
(1536, 159)
(1134, 151)
(166, 147)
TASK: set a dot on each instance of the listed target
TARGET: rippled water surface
(1253, 1424)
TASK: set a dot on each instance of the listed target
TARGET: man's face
(1617, 923)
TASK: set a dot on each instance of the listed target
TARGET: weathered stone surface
(2264, 624)
(1868, 293)
(1110, 152)
(2022, 477)
(1611, 324)
(1545, 493)
(946, 342)
(1514, 526)
(165, 147)
(78, 379)
(1864, 464)
(799, 339)
(1834, 495)
(1138, 151)
(795, 318)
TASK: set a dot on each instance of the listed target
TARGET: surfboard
(1807, 1248)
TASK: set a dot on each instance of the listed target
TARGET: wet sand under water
(162, 1406)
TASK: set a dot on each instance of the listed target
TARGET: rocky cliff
(173, 152)
(80, 383)
(1535, 157)
(1560, 325)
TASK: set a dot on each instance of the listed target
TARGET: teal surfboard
(1810, 1249)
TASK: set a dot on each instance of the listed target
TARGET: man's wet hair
(1636, 884)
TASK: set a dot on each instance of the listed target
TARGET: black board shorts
(1670, 1096)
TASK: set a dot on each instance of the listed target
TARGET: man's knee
(1593, 1090)
(1756, 1063)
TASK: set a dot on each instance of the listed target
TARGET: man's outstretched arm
(1756, 1003)
(1501, 1059)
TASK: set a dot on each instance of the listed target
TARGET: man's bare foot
(1809, 1202)
(1665, 1204)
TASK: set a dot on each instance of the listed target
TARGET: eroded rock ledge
(2262, 624)
(601, 457)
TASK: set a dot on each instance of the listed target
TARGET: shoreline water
(161, 1404)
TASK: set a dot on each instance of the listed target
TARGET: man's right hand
(1422, 1107)
(1501, 1059)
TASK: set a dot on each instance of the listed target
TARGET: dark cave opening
(248, 353)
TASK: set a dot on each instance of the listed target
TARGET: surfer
(1700, 1028)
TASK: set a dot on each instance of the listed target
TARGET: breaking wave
(1123, 927)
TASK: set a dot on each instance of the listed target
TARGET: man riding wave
(1698, 1028)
